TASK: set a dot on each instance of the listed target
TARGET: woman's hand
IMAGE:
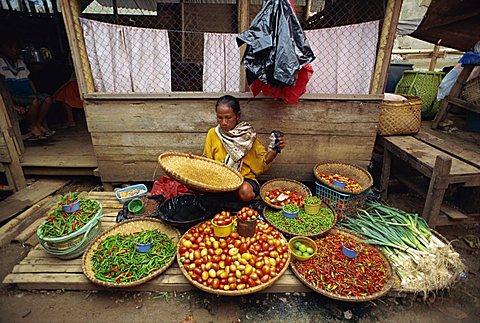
(281, 142)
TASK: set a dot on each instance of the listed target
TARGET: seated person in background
(236, 144)
(22, 91)
(69, 96)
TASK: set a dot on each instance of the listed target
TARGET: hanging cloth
(221, 63)
(237, 142)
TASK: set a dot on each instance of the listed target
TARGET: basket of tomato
(232, 265)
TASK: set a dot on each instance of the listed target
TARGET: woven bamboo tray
(312, 236)
(246, 291)
(279, 183)
(354, 172)
(200, 173)
(384, 290)
(128, 227)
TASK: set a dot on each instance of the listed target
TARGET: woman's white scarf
(237, 143)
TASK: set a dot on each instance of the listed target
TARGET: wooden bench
(40, 270)
(441, 167)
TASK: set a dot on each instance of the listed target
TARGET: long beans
(116, 260)
(60, 224)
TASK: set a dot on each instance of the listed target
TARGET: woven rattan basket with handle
(129, 227)
(471, 91)
(200, 173)
(354, 172)
(400, 117)
(279, 183)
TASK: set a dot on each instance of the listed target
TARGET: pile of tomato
(234, 262)
(293, 197)
(247, 214)
(350, 184)
(223, 218)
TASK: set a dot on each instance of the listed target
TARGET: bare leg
(245, 193)
(32, 117)
(69, 112)
(42, 113)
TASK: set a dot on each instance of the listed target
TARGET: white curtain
(345, 58)
(221, 63)
(127, 59)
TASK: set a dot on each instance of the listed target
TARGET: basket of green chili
(113, 260)
(67, 235)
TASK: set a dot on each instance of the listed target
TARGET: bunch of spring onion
(422, 261)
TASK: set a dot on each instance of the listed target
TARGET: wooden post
(71, 13)
(387, 37)
(386, 167)
(436, 190)
(243, 24)
(13, 170)
(433, 60)
(308, 10)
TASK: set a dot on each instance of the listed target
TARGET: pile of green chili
(60, 224)
(116, 260)
(303, 223)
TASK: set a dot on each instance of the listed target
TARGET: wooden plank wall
(128, 135)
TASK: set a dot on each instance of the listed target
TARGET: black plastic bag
(276, 45)
(123, 214)
(183, 211)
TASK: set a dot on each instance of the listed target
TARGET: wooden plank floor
(40, 270)
(69, 150)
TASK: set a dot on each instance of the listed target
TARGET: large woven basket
(200, 173)
(326, 293)
(129, 227)
(354, 172)
(249, 290)
(471, 91)
(279, 183)
(400, 117)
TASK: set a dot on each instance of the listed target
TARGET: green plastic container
(423, 84)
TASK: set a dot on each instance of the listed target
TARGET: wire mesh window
(189, 45)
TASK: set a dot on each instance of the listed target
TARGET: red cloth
(168, 187)
(289, 94)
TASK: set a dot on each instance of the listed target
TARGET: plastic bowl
(144, 247)
(135, 206)
(307, 242)
(141, 188)
(72, 207)
(350, 253)
(290, 215)
(222, 230)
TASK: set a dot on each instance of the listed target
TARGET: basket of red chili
(356, 180)
(330, 273)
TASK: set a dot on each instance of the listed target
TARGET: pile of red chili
(332, 271)
(350, 184)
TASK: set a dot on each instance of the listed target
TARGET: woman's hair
(230, 101)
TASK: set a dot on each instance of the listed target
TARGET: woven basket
(354, 172)
(249, 290)
(374, 296)
(129, 227)
(279, 183)
(293, 234)
(471, 91)
(200, 173)
(400, 117)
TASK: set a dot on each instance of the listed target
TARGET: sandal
(37, 137)
(49, 133)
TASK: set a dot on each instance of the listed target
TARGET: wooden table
(40, 270)
(441, 167)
